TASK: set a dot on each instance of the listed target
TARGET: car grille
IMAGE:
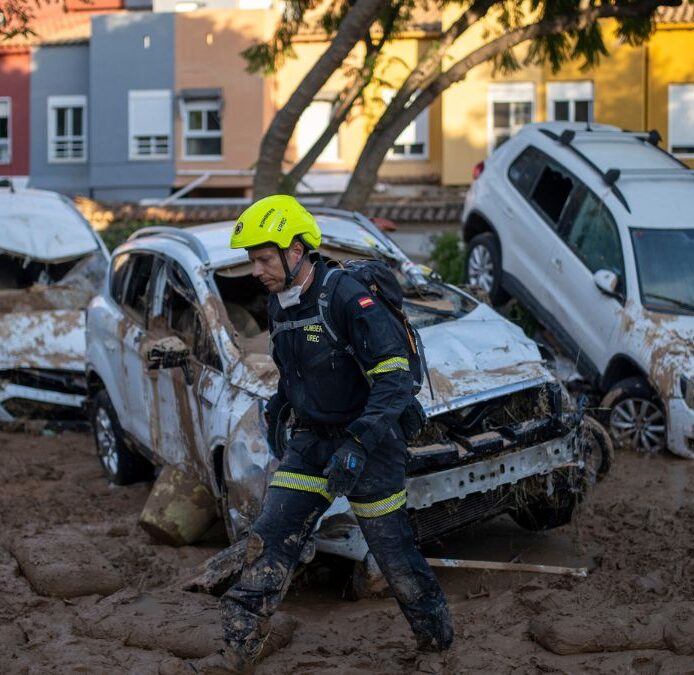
(453, 514)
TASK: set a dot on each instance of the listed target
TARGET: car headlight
(687, 386)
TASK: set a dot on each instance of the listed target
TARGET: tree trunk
(394, 120)
(340, 113)
(272, 148)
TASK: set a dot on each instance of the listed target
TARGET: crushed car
(179, 372)
(51, 265)
(589, 227)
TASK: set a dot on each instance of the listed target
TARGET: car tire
(545, 512)
(599, 449)
(121, 465)
(634, 416)
(483, 267)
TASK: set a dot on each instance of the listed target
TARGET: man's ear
(297, 248)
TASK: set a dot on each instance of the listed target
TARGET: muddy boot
(232, 660)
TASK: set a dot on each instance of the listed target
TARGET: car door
(588, 317)
(133, 271)
(542, 188)
(185, 401)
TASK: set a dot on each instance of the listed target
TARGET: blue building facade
(59, 118)
(131, 85)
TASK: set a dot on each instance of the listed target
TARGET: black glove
(277, 413)
(344, 468)
(412, 420)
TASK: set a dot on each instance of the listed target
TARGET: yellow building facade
(636, 88)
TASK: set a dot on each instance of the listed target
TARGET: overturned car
(51, 265)
(179, 371)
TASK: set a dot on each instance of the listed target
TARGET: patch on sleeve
(365, 302)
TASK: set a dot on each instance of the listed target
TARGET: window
(552, 191)
(67, 128)
(525, 169)
(202, 130)
(130, 280)
(681, 119)
(5, 131)
(592, 234)
(413, 141)
(311, 125)
(570, 101)
(510, 106)
(149, 124)
(544, 182)
(183, 317)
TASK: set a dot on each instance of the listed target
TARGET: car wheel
(545, 512)
(121, 465)
(483, 267)
(599, 450)
(636, 418)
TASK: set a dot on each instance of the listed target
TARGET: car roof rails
(177, 234)
(609, 177)
(684, 172)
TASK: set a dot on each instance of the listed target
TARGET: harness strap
(291, 325)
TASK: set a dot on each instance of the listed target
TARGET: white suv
(591, 228)
(179, 371)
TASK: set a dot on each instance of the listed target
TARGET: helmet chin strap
(289, 276)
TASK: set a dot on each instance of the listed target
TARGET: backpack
(383, 287)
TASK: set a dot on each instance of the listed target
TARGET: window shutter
(681, 118)
(150, 114)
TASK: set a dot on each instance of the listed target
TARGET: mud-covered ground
(64, 532)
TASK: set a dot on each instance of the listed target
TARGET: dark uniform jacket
(323, 383)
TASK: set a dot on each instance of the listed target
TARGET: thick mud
(84, 590)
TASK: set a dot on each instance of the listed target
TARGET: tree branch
(276, 138)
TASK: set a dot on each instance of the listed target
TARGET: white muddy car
(179, 372)
(51, 265)
(593, 230)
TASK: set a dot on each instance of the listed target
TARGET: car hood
(43, 228)
(477, 357)
(474, 358)
(52, 339)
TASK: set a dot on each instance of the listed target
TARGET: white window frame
(202, 105)
(508, 92)
(331, 152)
(684, 97)
(53, 103)
(419, 127)
(8, 142)
(139, 94)
(571, 92)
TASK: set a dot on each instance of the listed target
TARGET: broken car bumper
(338, 532)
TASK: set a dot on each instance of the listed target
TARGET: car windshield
(665, 264)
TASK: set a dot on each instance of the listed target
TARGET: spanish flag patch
(365, 302)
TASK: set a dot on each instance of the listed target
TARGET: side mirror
(169, 352)
(607, 282)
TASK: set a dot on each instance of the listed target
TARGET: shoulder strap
(279, 326)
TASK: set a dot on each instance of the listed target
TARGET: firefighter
(346, 440)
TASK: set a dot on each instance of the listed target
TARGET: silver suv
(592, 229)
(179, 372)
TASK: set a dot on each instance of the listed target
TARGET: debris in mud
(179, 509)
(63, 563)
(185, 624)
(620, 629)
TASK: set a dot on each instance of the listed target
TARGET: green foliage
(118, 232)
(523, 318)
(447, 257)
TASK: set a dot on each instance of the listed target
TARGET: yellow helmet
(275, 220)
